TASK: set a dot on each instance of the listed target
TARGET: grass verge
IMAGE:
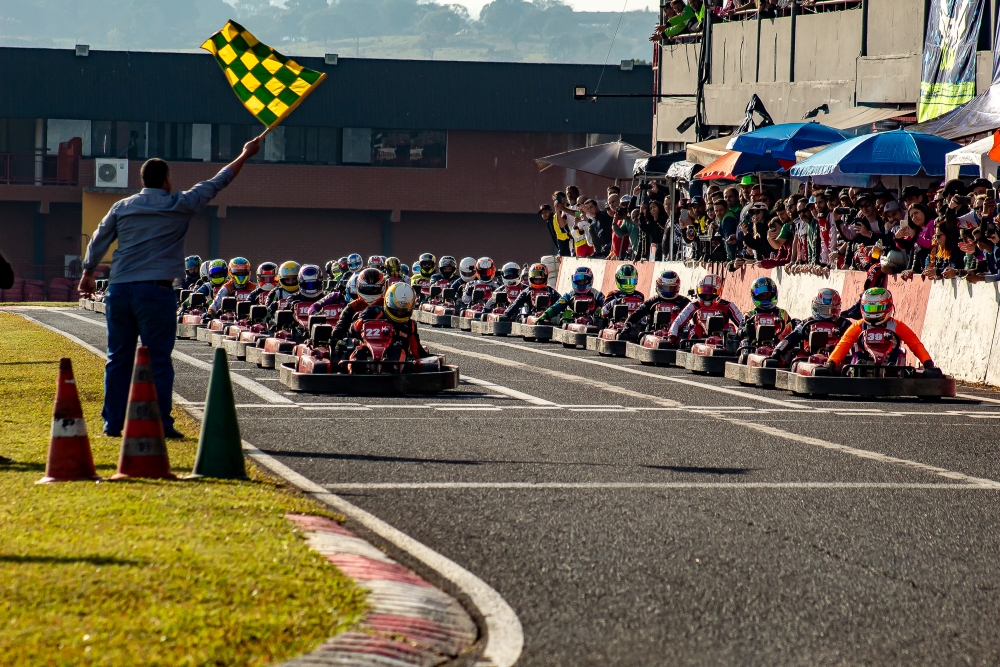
(144, 572)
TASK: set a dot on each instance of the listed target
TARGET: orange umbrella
(734, 164)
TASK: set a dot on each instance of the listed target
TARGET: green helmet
(626, 278)
(218, 271)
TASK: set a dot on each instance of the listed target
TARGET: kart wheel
(569, 345)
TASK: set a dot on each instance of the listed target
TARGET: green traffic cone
(220, 448)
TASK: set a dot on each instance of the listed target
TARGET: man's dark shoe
(112, 434)
(172, 434)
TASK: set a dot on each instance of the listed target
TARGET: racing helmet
(239, 271)
(352, 287)
(485, 269)
(583, 280)
(203, 271)
(376, 262)
(399, 301)
(876, 306)
(893, 261)
(668, 284)
(355, 262)
(415, 269)
(310, 281)
(288, 276)
(764, 293)
(524, 272)
(370, 285)
(626, 278)
(405, 271)
(427, 263)
(267, 276)
(448, 267)
(709, 289)
(538, 276)
(218, 271)
(329, 269)
(392, 265)
(511, 273)
(192, 263)
(826, 304)
(467, 269)
(342, 265)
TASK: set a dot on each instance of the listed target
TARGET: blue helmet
(583, 279)
(191, 263)
(764, 293)
(352, 287)
(668, 284)
(355, 262)
(310, 281)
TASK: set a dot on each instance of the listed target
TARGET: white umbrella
(977, 154)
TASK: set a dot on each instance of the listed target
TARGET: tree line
(541, 30)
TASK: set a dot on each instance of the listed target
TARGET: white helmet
(511, 274)
(467, 269)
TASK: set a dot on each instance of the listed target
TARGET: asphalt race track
(646, 516)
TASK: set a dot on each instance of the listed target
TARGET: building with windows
(387, 157)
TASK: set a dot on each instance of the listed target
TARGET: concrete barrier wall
(959, 323)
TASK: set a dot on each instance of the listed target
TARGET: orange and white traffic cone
(70, 458)
(144, 449)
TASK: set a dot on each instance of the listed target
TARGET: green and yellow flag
(269, 84)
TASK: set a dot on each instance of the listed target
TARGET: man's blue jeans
(133, 311)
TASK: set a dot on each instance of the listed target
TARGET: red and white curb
(410, 622)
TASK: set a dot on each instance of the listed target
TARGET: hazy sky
(579, 5)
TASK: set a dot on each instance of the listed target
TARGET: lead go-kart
(371, 364)
(877, 367)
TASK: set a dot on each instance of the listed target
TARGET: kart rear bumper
(573, 338)
(751, 375)
(539, 332)
(648, 355)
(491, 328)
(703, 364)
(99, 307)
(376, 384)
(188, 331)
(462, 323)
(257, 355)
(607, 348)
(844, 386)
(87, 304)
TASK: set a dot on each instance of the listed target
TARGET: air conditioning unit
(111, 173)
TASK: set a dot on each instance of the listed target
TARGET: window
(61, 131)
(396, 148)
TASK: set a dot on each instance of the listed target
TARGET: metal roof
(358, 92)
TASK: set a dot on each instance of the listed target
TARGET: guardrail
(39, 169)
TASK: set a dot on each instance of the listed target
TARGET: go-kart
(215, 327)
(611, 340)
(101, 288)
(709, 355)
(532, 327)
(654, 346)
(754, 365)
(371, 364)
(193, 319)
(250, 328)
(285, 335)
(579, 323)
(439, 307)
(877, 367)
(481, 293)
(494, 323)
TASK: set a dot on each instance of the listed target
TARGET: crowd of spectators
(947, 232)
(681, 21)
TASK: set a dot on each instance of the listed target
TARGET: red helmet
(709, 288)
(485, 269)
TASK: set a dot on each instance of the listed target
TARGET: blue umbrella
(781, 141)
(896, 153)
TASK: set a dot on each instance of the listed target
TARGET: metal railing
(39, 169)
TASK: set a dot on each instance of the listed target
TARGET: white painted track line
(504, 636)
(623, 369)
(507, 391)
(374, 486)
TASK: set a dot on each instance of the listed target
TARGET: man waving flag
(269, 84)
